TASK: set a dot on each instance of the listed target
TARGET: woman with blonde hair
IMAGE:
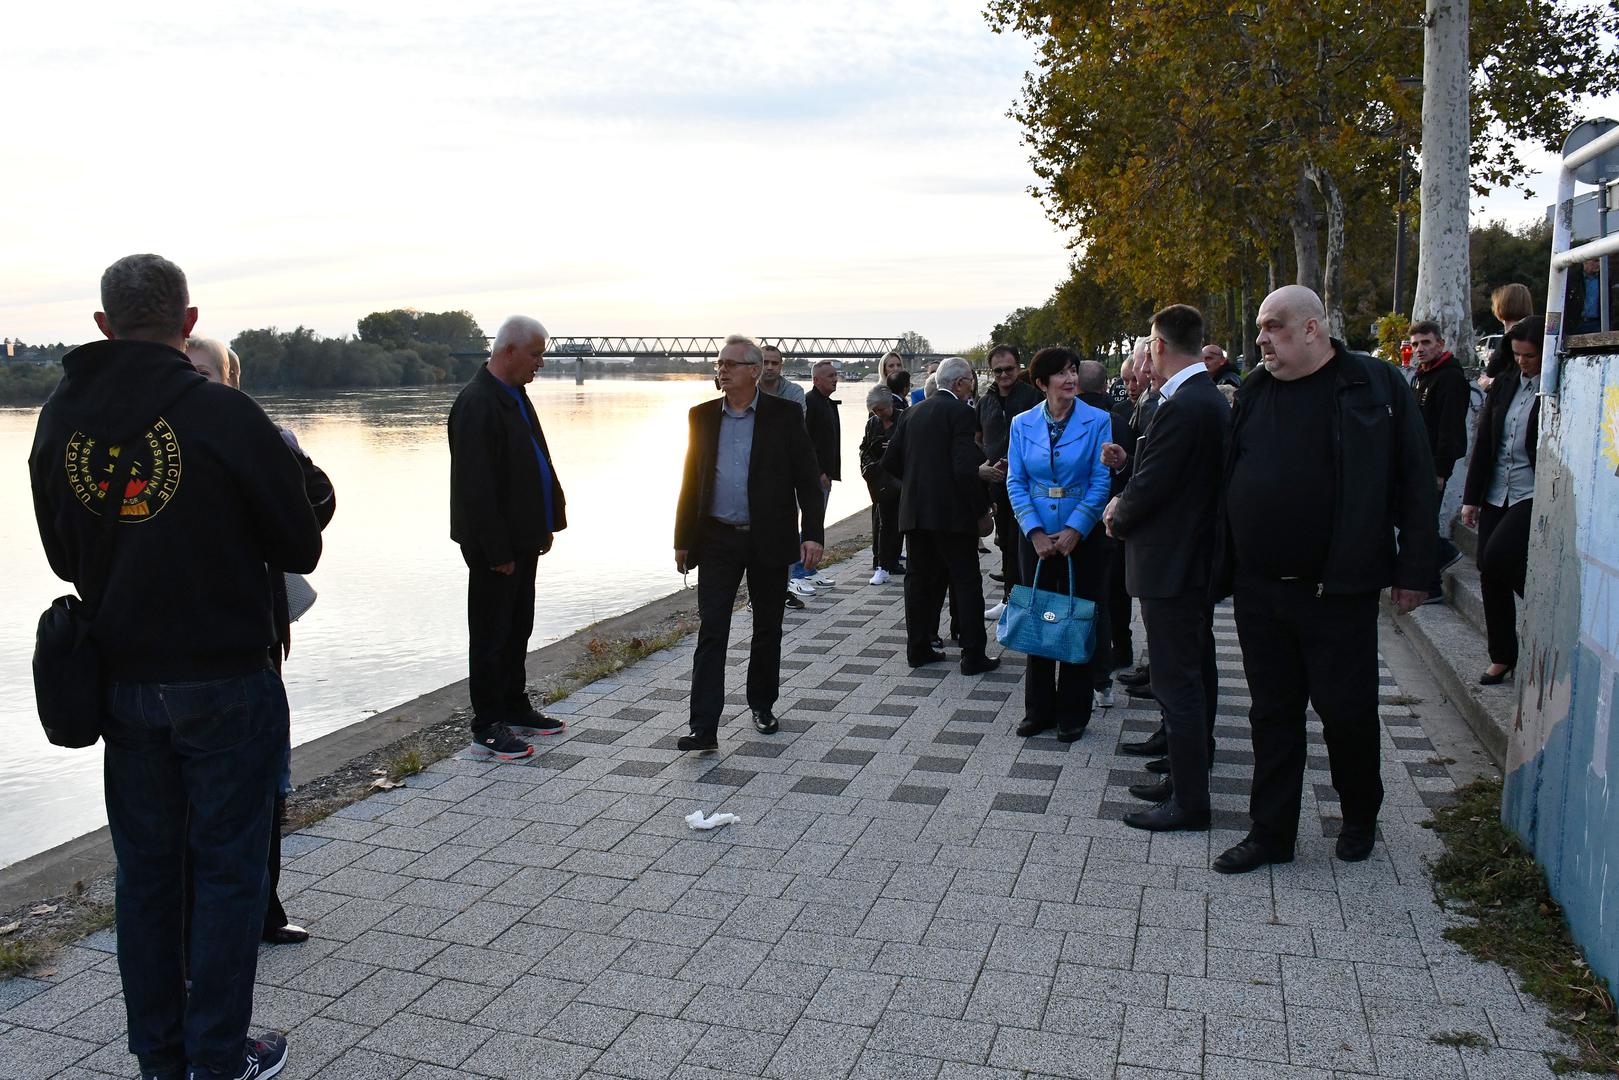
(1511, 304)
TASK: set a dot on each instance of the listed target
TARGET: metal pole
(1399, 242)
(1604, 192)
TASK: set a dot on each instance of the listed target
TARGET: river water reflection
(391, 619)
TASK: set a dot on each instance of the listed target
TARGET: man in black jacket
(825, 432)
(1008, 395)
(1221, 370)
(941, 502)
(1093, 392)
(206, 497)
(1329, 498)
(1444, 399)
(751, 474)
(1166, 517)
(506, 507)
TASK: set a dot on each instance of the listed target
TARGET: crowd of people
(1300, 491)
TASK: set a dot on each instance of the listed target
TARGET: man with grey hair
(750, 503)
(506, 507)
(941, 510)
(826, 435)
(193, 717)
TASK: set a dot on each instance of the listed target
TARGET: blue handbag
(1049, 624)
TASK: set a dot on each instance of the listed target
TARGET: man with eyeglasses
(1008, 395)
(752, 487)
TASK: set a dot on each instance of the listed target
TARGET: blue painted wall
(1563, 761)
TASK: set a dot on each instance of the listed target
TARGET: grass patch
(609, 656)
(407, 761)
(69, 920)
(1470, 1039)
(1489, 876)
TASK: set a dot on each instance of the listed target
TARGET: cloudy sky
(613, 167)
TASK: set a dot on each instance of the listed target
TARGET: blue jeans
(217, 747)
(797, 569)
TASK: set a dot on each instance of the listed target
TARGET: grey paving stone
(62, 1001)
(518, 1057)
(929, 962)
(1329, 1039)
(1164, 1038)
(734, 1050)
(437, 1042)
(26, 1054)
(1008, 997)
(1026, 949)
(1048, 1052)
(931, 997)
(359, 1063)
(639, 993)
(755, 1010)
(379, 998)
(853, 997)
(883, 1065)
(451, 1000)
(817, 1050)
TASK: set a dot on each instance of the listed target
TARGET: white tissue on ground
(698, 820)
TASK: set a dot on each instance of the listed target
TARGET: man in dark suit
(1166, 515)
(751, 472)
(506, 507)
(941, 501)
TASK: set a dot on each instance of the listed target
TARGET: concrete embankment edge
(56, 871)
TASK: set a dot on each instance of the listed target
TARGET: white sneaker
(821, 581)
(995, 612)
(1103, 699)
(800, 587)
(879, 576)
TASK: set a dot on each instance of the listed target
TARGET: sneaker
(821, 581)
(497, 741)
(995, 612)
(879, 576)
(1449, 558)
(792, 601)
(800, 587)
(1103, 698)
(263, 1058)
(536, 723)
(1435, 597)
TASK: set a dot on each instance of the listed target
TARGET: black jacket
(825, 432)
(217, 498)
(1487, 436)
(1226, 375)
(784, 481)
(497, 507)
(1385, 520)
(1166, 513)
(995, 416)
(936, 458)
(1121, 433)
(1444, 399)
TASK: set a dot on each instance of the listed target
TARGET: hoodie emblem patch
(91, 465)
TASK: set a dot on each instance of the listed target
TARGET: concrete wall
(1562, 765)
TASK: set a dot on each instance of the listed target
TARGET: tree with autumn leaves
(1181, 143)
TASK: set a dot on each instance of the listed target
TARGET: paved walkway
(912, 892)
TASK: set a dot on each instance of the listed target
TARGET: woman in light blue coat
(1058, 488)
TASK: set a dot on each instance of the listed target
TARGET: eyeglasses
(1002, 370)
(729, 365)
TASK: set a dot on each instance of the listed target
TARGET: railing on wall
(1564, 256)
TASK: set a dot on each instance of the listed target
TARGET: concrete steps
(1450, 639)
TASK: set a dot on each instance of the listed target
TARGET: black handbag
(67, 665)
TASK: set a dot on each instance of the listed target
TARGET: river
(390, 622)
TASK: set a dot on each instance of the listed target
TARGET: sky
(616, 167)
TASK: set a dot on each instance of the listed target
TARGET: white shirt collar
(1174, 384)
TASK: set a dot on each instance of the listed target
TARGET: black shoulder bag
(67, 666)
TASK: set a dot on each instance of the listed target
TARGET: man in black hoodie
(1444, 398)
(207, 497)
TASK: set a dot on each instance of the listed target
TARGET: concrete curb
(1454, 651)
(56, 872)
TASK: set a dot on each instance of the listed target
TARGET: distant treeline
(392, 348)
(28, 384)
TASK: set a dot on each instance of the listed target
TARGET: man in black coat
(1444, 399)
(1329, 498)
(1008, 395)
(1221, 369)
(941, 503)
(821, 420)
(751, 489)
(1166, 515)
(1093, 392)
(506, 506)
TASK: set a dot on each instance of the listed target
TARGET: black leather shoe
(1488, 679)
(286, 935)
(764, 722)
(932, 656)
(701, 743)
(1251, 854)
(1031, 727)
(1154, 792)
(937, 643)
(1154, 745)
(1168, 816)
(1071, 734)
(1159, 766)
(998, 577)
(1355, 842)
(794, 602)
(1136, 676)
(977, 665)
(1142, 690)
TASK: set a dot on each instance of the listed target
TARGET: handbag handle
(1034, 587)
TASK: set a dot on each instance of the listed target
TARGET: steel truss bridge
(706, 348)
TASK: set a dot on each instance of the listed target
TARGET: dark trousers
(1180, 636)
(727, 554)
(1118, 610)
(1503, 561)
(940, 562)
(886, 538)
(1299, 649)
(1101, 664)
(1057, 694)
(1008, 537)
(215, 747)
(500, 617)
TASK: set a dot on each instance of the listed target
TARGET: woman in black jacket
(1499, 495)
(885, 534)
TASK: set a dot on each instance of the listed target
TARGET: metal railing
(1564, 256)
